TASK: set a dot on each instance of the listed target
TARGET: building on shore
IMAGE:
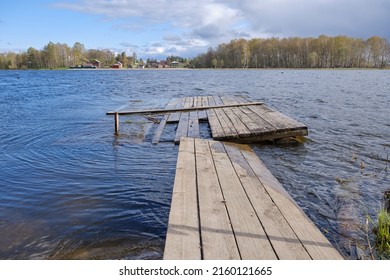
(117, 65)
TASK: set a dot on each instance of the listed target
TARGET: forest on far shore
(321, 52)
(293, 52)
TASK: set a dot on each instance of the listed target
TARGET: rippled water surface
(71, 190)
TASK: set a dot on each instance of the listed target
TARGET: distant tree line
(57, 55)
(321, 52)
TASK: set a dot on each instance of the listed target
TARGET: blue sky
(159, 28)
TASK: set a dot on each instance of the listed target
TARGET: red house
(117, 65)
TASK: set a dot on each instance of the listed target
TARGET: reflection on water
(70, 189)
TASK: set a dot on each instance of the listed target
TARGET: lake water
(71, 190)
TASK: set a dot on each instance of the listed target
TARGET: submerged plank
(160, 129)
(157, 135)
(182, 127)
(183, 240)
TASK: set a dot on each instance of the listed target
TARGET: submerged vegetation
(353, 216)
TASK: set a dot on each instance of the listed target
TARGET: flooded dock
(226, 204)
(230, 118)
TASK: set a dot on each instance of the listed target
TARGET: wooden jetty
(230, 118)
(227, 205)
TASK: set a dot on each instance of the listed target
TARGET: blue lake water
(70, 189)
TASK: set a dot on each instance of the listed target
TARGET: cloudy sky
(159, 28)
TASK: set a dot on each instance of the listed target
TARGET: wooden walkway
(230, 118)
(227, 205)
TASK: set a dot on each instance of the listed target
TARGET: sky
(159, 28)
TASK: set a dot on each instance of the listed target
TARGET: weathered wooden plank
(172, 103)
(159, 130)
(217, 100)
(227, 125)
(161, 111)
(224, 123)
(203, 102)
(175, 115)
(193, 125)
(228, 99)
(283, 239)
(251, 238)
(263, 126)
(211, 101)
(218, 240)
(239, 125)
(285, 120)
(215, 126)
(182, 127)
(270, 136)
(239, 99)
(189, 102)
(183, 240)
(279, 121)
(310, 236)
(253, 126)
(197, 101)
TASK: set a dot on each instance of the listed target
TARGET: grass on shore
(382, 232)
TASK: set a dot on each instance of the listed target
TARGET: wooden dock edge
(226, 204)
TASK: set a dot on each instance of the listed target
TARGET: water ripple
(71, 190)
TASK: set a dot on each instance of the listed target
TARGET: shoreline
(186, 69)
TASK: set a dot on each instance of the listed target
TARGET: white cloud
(194, 25)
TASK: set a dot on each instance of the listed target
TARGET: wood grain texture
(251, 239)
(286, 244)
(183, 240)
(218, 240)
